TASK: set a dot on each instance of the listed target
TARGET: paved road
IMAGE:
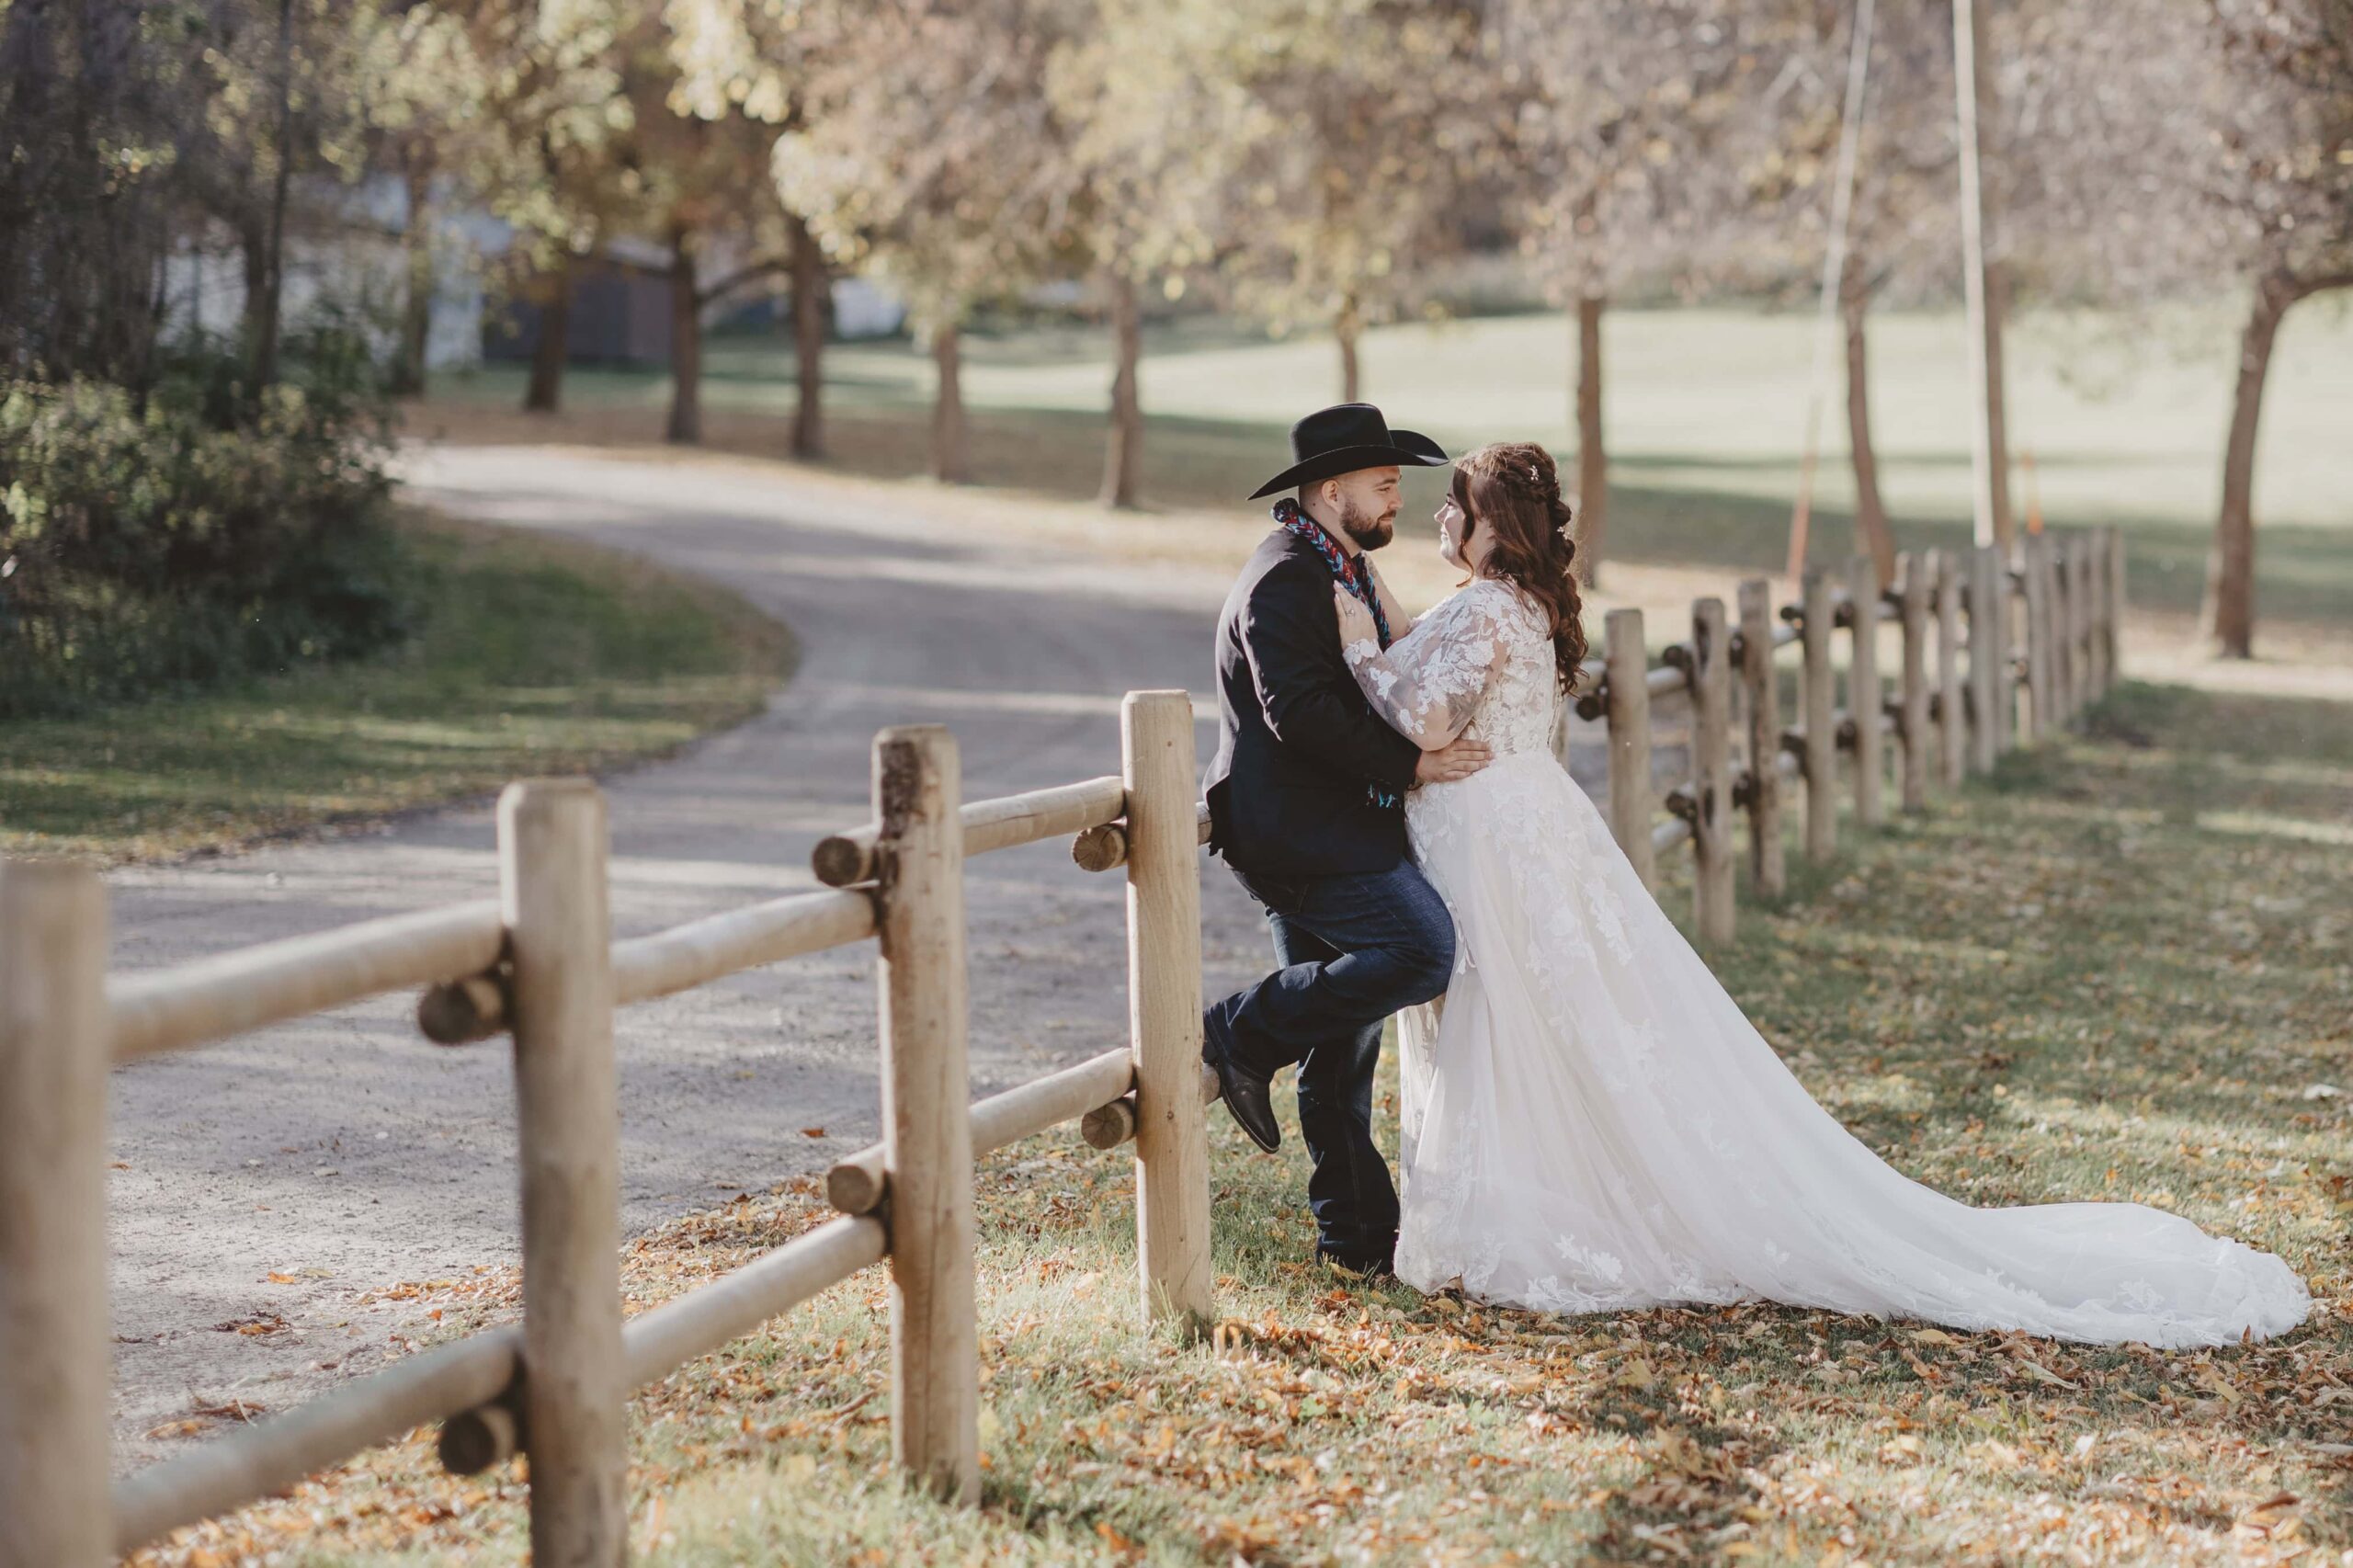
(348, 1152)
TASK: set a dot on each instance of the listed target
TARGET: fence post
(927, 1119)
(2112, 627)
(1165, 1010)
(2038, 637)
(1912, 714)
(2078, 622)
(1712, 840)
(1989, 653)
(2095, 613)
(1626, 688)
(1952, 727)
(55, 1349)
(1863, 701)
(2054, 608)
(552, 852)
(1820, 697)
(1767, 863)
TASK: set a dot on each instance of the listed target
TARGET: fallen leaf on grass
(2041, 1373)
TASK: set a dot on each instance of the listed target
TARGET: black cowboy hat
(1346, 438)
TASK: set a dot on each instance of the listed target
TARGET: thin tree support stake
(55, 1349)
(927, 1118)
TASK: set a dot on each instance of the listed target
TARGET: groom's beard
(1370, 532)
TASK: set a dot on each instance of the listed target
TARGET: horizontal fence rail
(1983, 654)
(539, 964)
(1988, 652)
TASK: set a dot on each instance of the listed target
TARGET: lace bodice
(1481, 663)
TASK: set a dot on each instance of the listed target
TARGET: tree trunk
(544, 392)
(809, 284)
(2228, 613)
(1871, 515)
(273, 292)
(1593, 463)
(1123, 456)
(1347, 327)
(685, 341)
(416, 247)
(951, 451)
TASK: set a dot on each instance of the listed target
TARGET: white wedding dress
(1590, 1123)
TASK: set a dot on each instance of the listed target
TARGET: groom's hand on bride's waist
(1459, 758)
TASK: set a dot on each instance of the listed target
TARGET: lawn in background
(536, 655)
(2115, 970)
(2124, 418)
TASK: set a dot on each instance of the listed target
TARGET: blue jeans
(1354, 950)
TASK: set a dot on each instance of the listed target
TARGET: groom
(1306, 799)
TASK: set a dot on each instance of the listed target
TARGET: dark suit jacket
(1300, 750)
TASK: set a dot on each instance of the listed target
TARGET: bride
(1589, 1121)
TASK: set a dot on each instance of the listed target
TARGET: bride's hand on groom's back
(1457, 759)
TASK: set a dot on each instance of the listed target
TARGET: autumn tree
(1346, 189)
(2196, 142)
(1139, 161)
(1644, 130)
(902, 168)
(2284, 158)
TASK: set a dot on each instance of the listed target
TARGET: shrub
(195, 536)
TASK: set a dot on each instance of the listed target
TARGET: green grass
(536, 655)
(2117, 970)
(2124, 419)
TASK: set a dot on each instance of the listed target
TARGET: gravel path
(347, 1152)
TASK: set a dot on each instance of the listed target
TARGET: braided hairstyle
(1513, 490)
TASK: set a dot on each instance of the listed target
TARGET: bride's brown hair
(1513, 490)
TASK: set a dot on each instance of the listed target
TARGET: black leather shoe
(1245, 1097)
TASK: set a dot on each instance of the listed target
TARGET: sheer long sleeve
(1428, 684)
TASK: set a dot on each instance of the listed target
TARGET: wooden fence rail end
(1114, 1122)
(1105, 848)
(847, 859)
(856, 1184)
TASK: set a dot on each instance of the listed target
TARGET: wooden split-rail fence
(539, 966)
(1974, 634)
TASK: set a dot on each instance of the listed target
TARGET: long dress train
(1590, 1123)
